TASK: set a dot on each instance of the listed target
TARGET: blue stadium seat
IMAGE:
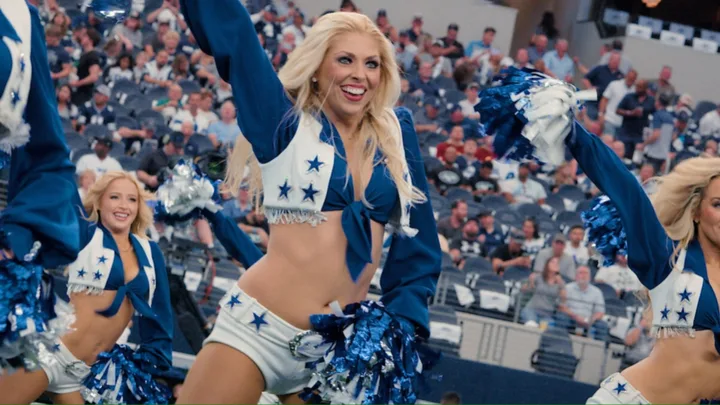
(95, 131)
(76, 141)
(433, 139)
(443, 313)
(118, 150)
(509, 217)
(189, 86)
(67, 125)
(631, 300)
(457, 193)
(542, 182)
(157, 93)
(702, 108)
(129, 163)
(475, 208)
(478, 264)
(432, 164)
(554, 355)
(120, 110)
(126, 122)
(495, 202)
(607, 290)
(532, 210)
(439, 203)
(445, 83)
(583, 206)
(161, 130)
(124, 87)
(77, 154)
(615, 307)
(201, 142)
(149, 115)
(571, 192)
(568, 219)
(454, 96)
(137, 103)
(491, 282)
(516, 274)
(547, 226)
(555, 202)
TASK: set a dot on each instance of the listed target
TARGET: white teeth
(354, 90)
(122, 216)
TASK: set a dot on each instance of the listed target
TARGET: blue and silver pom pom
(113, 11)
(118, 377)
(367, 356)
(185, 195)
(28, 322)
(605, 229)
(530, 115)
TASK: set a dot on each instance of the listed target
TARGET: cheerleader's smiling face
(350, 75)
(119, 206)
(708, 217)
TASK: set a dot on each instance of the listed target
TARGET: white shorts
(264, 337)
(617, 390)
(64, 371)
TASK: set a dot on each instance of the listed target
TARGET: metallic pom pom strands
(113, 11)
(605, 229)
(185, 195)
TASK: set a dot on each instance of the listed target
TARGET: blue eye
(372, 64)
(345, 60)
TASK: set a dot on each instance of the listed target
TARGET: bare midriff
(305, 270)
(679, 370)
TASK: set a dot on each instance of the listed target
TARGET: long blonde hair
(92, 199)
(678, 196)
(378, 124)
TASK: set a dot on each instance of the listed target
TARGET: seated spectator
(181, 69)
(285, 47)
(158, 72)
(468, 161)
(522, 59)
(685, 105)
(585, 307)
(619, 276)
(452, 48)
(450, 227)
(141, 59)
(406, 52)
(86, 179)
(548, 291)
(523, 189)
(710, 123)
(441, 66)
(99, 162)
(455, 141)
(476, 48)
(470, 127)
(97, 111)
(577, 249)
(256, 226)
(490, 235)
(206, 107)
(416, 31)
(639, 342)
(619, 148)
(239, 206)
(123, 70)
(510, 254)
(150, 168)
(131, 29)
(171, 40)
(565, 175)
(468, 244)
(225, 131)
(647, 172)
(557, 250)
(481, 183)
(532, 241)
(297, 27)
(471, 100)
(66, 109)
(449, 175)
(423, 84)
(538, 50)
(172, 104)
(427, 119)
(191, 113)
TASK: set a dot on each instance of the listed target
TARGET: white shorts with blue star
(617, 390)
(265, 338)
(65, 373)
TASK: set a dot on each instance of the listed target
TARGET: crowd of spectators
(140, 94)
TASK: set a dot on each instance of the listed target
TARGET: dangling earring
(314, 79)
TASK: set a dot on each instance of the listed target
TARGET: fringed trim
(294, 216)
(672, 331)
(19, 133)
(80, 288)
(402, 230)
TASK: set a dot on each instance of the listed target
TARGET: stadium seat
(568, 219)
(615, 307)
(509, 217)
(475, 208)
(547, 226)
(542, 182)
(516, 274)
(433, 139)
(67, 125)
(129, 163)
(118, 150)
(439, 203)
(702, 108)
(443, 313)
(632, 300)
(189, 86)
(126, 122)
(555, 202)
(76, 141)
(457, 193)
(149, 115)
(607, 290)
(156, 93)
(202, 144)
(96, 131)
(432, 165)
(555, 355)
(120, 110)
(478, 264)
(571, 192)
(137, 103)
(445, 83)
(532, 210)
(124, 87)
(495, 202)
(454, 96)
(583, 206)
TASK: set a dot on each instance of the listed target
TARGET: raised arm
(224, 30)
(237, 243)
(42, 177)
(413, 263)
(649, 248)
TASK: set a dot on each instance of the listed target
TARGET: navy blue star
(97, 275)
(102, 259)
(258, 321)
(310, 193)
(620, 388)
(55, 348)
(284, 190)
(15, 97)
(685, 295)
(81, 273)
(682, 315)
(22, 63)
(234, 300)
(665, 313)
(315, 164)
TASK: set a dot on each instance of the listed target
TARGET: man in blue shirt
(470, 127)
(558, 63)
(635, 108)
(657, 146)
(602, 75)
(98, 111)
(58, 58)
(423, 85)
